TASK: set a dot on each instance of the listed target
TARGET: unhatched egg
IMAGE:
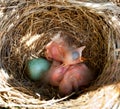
(36, 68)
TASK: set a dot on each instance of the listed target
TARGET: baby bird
(59, 50)
(77, 75)
(56, 73)
(73, 56)
(55, 50)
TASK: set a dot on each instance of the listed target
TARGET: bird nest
(26, 31)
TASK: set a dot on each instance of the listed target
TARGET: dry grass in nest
(28, 29)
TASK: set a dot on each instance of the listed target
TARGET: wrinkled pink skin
(76, 76)
(65, 71)
(55, 51)
(56, 73)
(61, 52)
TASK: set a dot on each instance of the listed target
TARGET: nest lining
(30, 28)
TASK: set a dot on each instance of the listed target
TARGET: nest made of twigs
(25, 33)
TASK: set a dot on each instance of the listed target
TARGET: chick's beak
(82, 59)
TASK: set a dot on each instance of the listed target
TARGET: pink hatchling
(76, 76)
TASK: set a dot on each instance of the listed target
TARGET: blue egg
(37, 68)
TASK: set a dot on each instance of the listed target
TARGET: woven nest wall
(30, 27)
